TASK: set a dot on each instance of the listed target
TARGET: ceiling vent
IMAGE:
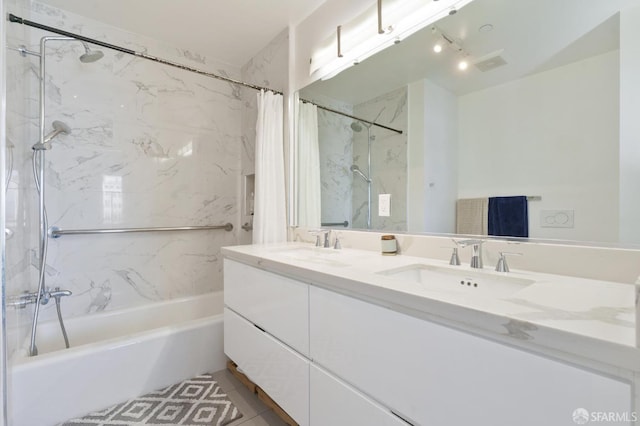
(490, 62)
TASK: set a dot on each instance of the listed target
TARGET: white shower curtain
(270, 217)
(309, 199)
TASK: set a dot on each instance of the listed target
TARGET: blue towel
(508, 216)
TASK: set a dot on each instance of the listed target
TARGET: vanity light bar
(366, 34)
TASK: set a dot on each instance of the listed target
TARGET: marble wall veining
(151, 145)
(344, 194)
(388, 161)
(335, 138)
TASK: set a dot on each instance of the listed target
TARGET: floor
(254, 412)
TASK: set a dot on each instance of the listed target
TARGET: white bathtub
(115, 356)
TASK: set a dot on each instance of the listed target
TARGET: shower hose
(33, 350)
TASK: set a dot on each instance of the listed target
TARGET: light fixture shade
(360, 38)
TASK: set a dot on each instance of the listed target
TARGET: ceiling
(530, 35)
(231, 31)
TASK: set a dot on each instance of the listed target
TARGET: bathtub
(115, 356)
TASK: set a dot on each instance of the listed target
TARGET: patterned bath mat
(195, 402)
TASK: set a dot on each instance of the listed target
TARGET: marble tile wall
(335, 138)
(151, 145)
(388, 161)
(344, 194)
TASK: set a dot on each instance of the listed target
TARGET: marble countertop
(574, 318)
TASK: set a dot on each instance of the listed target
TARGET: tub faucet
(476, 254)
(21, 301)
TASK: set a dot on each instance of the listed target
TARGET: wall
(335, 138)
(151, 146)
(629, 125)
(509, 132)
(388, 161)
(433, 157)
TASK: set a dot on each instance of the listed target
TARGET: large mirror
(537, 113)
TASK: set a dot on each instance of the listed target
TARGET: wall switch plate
(384, 204)
(556, 218)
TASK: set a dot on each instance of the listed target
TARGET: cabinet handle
(401, 418)
(260, 328)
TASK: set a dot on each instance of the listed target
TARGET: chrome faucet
(21, 301)
(326, 238)
(476, 254)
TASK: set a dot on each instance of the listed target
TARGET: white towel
(472, 216)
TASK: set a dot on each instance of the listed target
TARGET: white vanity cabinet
(434, 375)
(277, 304)
(330, 359)
(333, 402)
(281, 372)
(266, 332)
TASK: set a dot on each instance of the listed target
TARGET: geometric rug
(194, 402)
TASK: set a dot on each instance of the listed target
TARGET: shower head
(58, 127)
(90, 55)
(356, 169)
(356, 126)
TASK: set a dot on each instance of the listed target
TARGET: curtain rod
(352, 116)
(19, 20)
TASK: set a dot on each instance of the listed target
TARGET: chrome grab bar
(55, 232)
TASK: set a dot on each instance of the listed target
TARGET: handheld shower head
(90, 55)
(356, 169)
(58, 127)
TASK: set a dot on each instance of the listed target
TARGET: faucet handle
(317, 233)
(455, 259)
(336, 244)
(502, 262)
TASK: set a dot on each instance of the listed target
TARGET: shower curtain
(309, 199)
(270, 217)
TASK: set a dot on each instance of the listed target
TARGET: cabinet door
(333, 402)
(279, 371)
(275, 303)
(435, 375)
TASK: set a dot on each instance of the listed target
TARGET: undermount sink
(320, 255)
(485, 283)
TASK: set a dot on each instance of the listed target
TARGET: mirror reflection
(535, 114)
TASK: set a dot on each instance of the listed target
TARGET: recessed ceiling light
(437, 47)
(463, 65)
(486, 28)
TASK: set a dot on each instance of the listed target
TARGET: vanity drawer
(432, 374)
(279, 371)
(335, 403)
(277, 304)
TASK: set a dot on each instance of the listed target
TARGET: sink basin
(485, 283)
(312, 254)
